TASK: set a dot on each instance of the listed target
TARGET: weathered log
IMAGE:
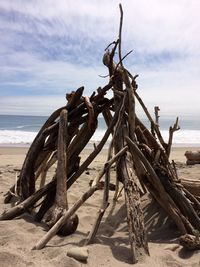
(27, 176)
(192, 162)
(193, 157)
(74, 99)
(60, 204)
(193, 199)
(135, 219)
(193, 186)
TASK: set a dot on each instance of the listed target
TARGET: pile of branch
(140, 154)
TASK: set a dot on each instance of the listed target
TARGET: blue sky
(48, 48)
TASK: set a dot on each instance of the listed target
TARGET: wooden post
(60, 204)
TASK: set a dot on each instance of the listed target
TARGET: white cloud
(173, 86)
(31, 105)
(151, 26)
(49, 77)
(163, 34)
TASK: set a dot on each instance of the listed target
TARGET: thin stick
(104, 204)
(156, 110)
(172, 129)
(41, 167)
(119, 63)
(16, 181)
(119, 194)
(108, 164)
(50, 163)
(155, 126)
(116, 190)
(120, 34)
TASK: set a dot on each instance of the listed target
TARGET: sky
(49, 48)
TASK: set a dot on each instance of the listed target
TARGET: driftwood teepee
(141, 157)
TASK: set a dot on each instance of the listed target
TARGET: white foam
(16, 137)
(98, 135)
(181, 137)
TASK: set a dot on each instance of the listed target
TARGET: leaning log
(135, 218)
(193, 186)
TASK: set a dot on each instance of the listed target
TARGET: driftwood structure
(140, 155)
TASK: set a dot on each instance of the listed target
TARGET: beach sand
(111, 246)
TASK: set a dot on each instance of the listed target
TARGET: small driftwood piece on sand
(193, 157)
(140, 154)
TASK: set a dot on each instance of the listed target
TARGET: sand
(111, 247)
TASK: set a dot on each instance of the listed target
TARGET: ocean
(21, 130)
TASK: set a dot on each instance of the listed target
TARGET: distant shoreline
(90, 145)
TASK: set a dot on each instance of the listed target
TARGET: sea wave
(181, 137)
(16, 137)
(23, 126)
